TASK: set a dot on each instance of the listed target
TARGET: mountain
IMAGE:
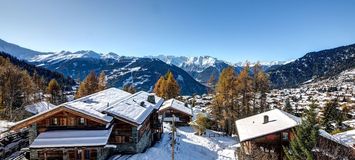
(142, 72)
(201, 67)
(313, 65)
(65, 82)
(120, 70)
(17, 51)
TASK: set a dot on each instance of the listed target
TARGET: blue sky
(229, 30)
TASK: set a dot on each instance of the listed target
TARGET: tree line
(239, 95)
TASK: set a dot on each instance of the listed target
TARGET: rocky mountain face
(314, 65)
(120, 70)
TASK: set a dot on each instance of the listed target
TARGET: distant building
(182, 112)
(95, 126)
(268, 131)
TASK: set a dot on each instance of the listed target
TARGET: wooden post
(173, 138)
(83, 154)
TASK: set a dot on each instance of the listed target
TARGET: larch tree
(55, 92)
(224, 108)
(102, 81)
(171, 89)
(16, 90)
(244, 84)
(90, 85)
(129, 88)
(167, 87)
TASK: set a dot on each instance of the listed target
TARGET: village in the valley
(123, 124)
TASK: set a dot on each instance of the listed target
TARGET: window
(82, 121)
(284, 136)
(55, 121)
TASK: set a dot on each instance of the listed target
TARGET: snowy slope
(17, 51)
(189, 147)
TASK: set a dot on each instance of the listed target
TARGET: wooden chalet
(266, 133)
(94, 127)
(181, 111)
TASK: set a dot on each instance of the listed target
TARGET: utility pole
(173, 138)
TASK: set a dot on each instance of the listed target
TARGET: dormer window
(81, 121)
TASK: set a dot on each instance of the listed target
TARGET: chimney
(266, 119)
(151, 98)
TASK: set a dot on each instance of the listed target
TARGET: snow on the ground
(5, 125)
(190, 146)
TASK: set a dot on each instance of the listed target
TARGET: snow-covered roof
(39, 107)
(134, 108)
(325, 134)
(71, 138)
(178, 105)
(254, 126)
(347, 137)
(91, 105)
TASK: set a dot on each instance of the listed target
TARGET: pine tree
(305, 137)
(288, 106)
(102, 81)
(129, 88)
(55, 92)
(331, 114)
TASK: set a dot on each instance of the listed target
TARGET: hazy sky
(230, 30)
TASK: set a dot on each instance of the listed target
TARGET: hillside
(66, 82)
(314, 65)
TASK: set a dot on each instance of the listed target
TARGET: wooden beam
(31, 120)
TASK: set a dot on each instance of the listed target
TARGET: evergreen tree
(129, 88)
(102, 81)
(331, 114)
(305, 137)
(288, 107)
(55, 92)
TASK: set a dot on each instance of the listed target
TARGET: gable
(50, 113)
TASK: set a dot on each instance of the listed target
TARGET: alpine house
(95, 126)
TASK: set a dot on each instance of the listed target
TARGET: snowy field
(189, 147)
(5, 125)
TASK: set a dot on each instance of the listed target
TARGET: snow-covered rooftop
(71, 138)
(178, 105)
(325, 134)
(347, 137)
(39, 107)
(254, 126)
(134, 108)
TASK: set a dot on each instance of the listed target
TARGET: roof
(90, 105)
(39, 107)
(347, 137)
(134, 108)
(326, 135)
(71, 138)
(254, 126)
(178, 105)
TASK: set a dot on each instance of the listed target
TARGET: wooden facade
(269, 145)
(181, 117)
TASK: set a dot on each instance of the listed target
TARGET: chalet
(268, 131)
(181, 111)
(95, 126)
